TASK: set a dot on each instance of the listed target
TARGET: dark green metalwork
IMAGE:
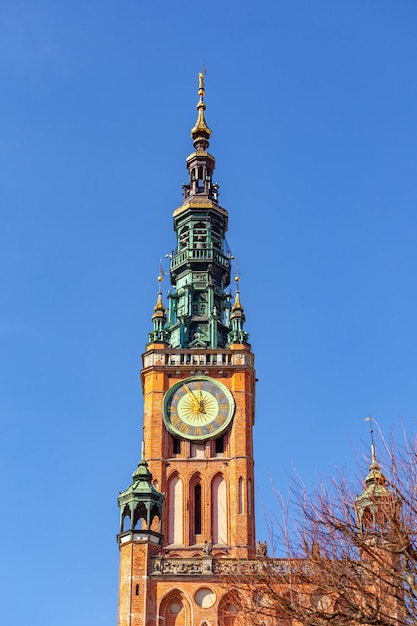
(199, 313)
(140, 500)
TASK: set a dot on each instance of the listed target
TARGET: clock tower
(190, 508)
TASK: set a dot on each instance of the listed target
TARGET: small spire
(159, 316)
(375, 475)
(159, 306)
(201, 132)
(237, 306)
(237, 319)
(371, 432)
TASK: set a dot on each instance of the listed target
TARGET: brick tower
(189, 511)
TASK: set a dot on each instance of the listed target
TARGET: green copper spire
(199, 305)
(159, 318)
(237, 319)
(199, 314)
(376, 506)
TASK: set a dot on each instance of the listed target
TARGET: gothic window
(219, 510)
(250, 503)
(228, 612)
(139, 516)
(197, 509)
(174, 610)
(125, 525)
(241, 495)
(175, 510)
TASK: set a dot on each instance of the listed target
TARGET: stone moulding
(222, 567)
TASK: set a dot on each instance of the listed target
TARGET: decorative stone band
(224, 567)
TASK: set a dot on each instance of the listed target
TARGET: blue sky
(313, 110)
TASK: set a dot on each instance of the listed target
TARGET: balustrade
(206, 359)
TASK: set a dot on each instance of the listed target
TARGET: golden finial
(201, 132)
(159, 306)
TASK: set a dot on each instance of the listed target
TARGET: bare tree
(350, 558)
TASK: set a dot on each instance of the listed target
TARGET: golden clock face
(198, 408)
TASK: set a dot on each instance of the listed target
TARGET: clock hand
(192, 396)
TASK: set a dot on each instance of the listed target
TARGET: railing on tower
(199, 254)
(194, 357)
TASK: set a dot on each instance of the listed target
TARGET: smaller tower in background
(380, 544)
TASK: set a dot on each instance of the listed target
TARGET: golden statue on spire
(201, 83)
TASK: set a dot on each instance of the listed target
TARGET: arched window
(197, 509)
(229, 609)
(219, 510)
(125, 523)
(241, 496)
(175, 510)
(200, 179)
(174, 610)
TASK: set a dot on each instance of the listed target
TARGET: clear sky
(313, 110)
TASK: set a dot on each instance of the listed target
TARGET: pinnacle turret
(140, 500)
(159, 318)
(237, 319)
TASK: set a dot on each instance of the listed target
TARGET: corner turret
(141, 501)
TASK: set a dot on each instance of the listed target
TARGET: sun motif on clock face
(198, 408)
